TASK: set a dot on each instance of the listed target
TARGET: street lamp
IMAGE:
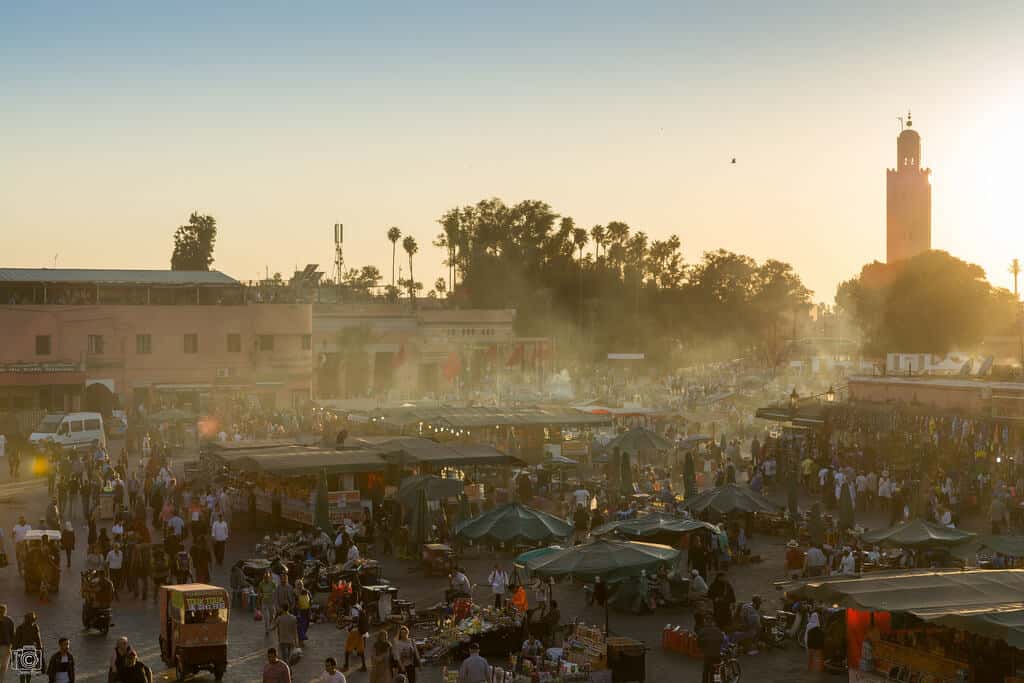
(794, 399)
(830, 395)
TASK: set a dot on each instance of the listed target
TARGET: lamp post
(830, 395)
(794, 399)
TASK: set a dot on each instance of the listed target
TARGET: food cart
(194, 629)
(39, 563)
(438, 558)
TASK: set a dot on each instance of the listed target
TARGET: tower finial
(909, 121)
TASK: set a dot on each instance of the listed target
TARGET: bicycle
(728, 669)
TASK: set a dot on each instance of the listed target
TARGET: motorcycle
(97, 618)
(785, 625)
(728, 669)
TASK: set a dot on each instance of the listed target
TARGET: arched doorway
(99, 399)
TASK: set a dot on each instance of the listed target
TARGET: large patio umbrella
(435, 488)
(729, 498)
(655, 528)
(689, 476)
(512, 523)
(845, 508)
(918, 533)
(625, 475)
(322, 514)
(611, 560)
(637, 439)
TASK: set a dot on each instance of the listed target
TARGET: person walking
(115, 563)
(406, 655)
(710, 639)
(219, 533)
(381, 667)
(142, 565)
(330, 673)
(303, 605)
(286, 626)
(67, 541)
(200, 554)
(26, 634)
(284, 594)
(275, 670)
(61, 667)
(498, 580)
(135, 671)
(474, 668)
(6, 640)
(355, 641)
(266, 590)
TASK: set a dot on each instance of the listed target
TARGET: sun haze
(281, 121)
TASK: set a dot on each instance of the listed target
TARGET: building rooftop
(114, 277)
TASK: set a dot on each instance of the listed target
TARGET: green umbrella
(729, 498)
(845, 508)
(625, 475)
(637, 440)
(918, 533)
(611, 560)
(420, 521)
(689, 476)
(536, 553)
(514, 523)
(436, 488)
(654, 528)
(322, 515)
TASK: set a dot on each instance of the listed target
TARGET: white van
(70, 430)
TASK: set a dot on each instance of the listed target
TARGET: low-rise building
(92, 339)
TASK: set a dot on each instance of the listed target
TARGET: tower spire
(910, 122)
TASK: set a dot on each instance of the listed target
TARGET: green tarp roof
(1012, 546)
(657, 525)
(730, 498)
(298, 460)
(514, 522)
(611, 560)
(639, 440)
(918, 533)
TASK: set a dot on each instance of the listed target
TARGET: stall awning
(808, 415)
(297, 460)
(412, 450)
(478, 417)
(981, 601)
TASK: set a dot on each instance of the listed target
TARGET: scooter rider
(99, 595)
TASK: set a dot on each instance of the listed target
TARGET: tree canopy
(193, 243)
(932, 303)
(637, 293)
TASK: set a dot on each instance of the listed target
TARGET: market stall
(514, 523)
(929, 626)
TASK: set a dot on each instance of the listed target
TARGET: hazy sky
(281, 119)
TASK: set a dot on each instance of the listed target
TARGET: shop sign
(39, 368)
(204, 602)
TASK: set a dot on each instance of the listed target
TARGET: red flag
(517, 356)
(452, 367)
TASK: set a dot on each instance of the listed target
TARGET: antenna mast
(339, 259)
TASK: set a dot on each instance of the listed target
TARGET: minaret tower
(908, 200)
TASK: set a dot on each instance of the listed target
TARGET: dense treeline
(611, 288)
(932, 303)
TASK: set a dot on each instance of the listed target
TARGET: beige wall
(69, 328)
(967, 399)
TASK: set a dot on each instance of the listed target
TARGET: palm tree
(394, 234)
(579, 240)
(597, 233)
(410, 246)
(1015, 272)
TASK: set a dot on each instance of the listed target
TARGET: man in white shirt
(582, 498)
(115, 560)
(498, 580)
(848, 565)
(353, 554)
(219, 532)
(330, 673)
(21, 529)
